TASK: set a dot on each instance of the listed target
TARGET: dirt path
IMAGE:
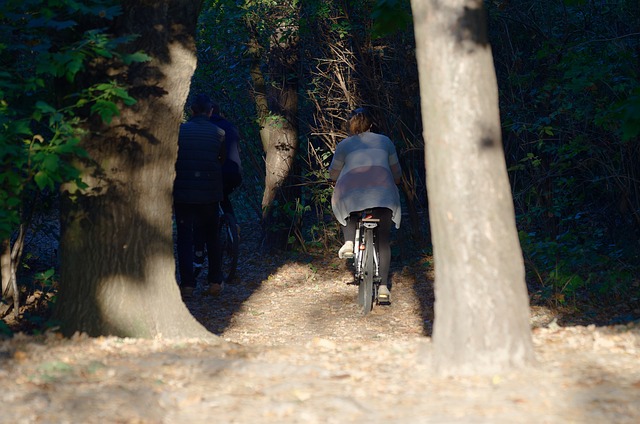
(295, 349)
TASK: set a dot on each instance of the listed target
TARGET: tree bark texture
(481, 309)
(280, 141)
(117, 262)
(7, 274)
(10, 257)
(277, 107)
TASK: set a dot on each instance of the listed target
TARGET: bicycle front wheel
(365, 291)
(229, 246)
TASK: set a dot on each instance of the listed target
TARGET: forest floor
(294, 348)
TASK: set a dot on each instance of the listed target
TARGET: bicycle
(366, 261)
(229, 243)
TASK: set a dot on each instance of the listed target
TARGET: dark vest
(199, 168)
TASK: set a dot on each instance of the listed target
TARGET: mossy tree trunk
(117, 273)
(276, 97)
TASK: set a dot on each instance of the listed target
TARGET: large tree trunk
(481, 310)
(117, 273)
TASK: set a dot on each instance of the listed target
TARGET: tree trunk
(11, 256)
(117, 274)
(6, 272)
(280, 140)
(277, 108)
(481, 309)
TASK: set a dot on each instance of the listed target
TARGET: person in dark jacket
(197, 192)
(231, 177)
(232, 166)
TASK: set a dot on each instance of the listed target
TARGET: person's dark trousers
(231, 181)
(384, 237)
(204, 218)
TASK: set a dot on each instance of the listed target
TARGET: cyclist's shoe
(186, 292)
(215, 289)
(346, 251)
(198, 261)
(384, 296)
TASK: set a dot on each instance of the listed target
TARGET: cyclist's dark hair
(201, 104)
(360, 120)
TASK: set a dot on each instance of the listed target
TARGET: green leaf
(45, 107)
(104, 86)
(73, 67)
(106, 109)
(13, 201)
(45, 275)
(103, 52)
(42, 180)
(20, 127)
(135, 57)
(51, 163)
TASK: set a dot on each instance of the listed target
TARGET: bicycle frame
(359, 246)
(366, 261)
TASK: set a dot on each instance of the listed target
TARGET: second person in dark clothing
(232, 166)
(197, 192)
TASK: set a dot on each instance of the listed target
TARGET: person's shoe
(384, 296)
(215, 289)
(346, 251)
(187, 291)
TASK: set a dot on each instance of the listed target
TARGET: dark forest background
(570, 109)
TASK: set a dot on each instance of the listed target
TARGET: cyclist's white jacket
(366, 170)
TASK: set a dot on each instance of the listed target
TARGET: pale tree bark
(6, 270)
(277, 107)
(117, 273)
(10, 257)
(481, 309)
(8, 273)
(280, 141)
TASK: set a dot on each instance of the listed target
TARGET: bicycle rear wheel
(229, 246)
(360, 279)
(365, 290)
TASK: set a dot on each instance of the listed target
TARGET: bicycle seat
(367, 216)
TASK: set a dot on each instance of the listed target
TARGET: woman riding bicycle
(366, 170)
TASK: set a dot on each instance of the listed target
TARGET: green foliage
(223, 73)
(46, 279)
(570, 268)
(628, 113)
(40, 124)
(570, 108)
(5, 330)
(390, 16)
